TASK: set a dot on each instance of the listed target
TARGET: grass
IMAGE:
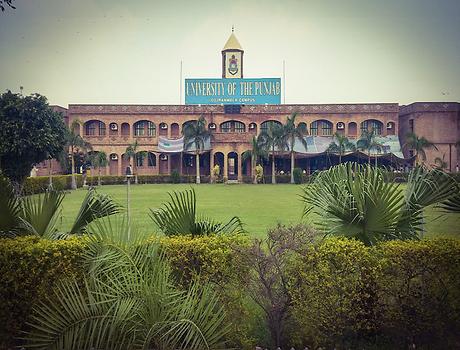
(258, 206)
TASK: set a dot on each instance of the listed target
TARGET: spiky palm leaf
(355, 201)
(127, 301)
(10, 209)
(95, 205)
(178, 216)
(452, 204)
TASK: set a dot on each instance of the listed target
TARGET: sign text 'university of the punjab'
(233, 91)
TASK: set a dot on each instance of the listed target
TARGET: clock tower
(232, 58)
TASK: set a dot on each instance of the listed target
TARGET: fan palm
(133, 153)
(196, 133)
(99, 160)
(126, 300)
(75, 143)
(179, 217)
(256, 153)
(271, 139)
(355, 201)
(293, 132)
(367, 142)
(419, 145)
(40, 214)
(440, 163)
(340, 145)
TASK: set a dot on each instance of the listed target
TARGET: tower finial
(233, 28)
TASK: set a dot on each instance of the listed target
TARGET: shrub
(297, 175)
(29, 267)
(175, 177)
(39, 184)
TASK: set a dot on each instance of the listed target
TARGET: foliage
(99, 160)
(127, 300)
(368, 142)
(8, 3)
(355, 201)
(179, 217)
(30, 132)
(196, 134)
(266, 281)
(419, 145)
(259, 173)
(257, 152)
(291, 133)
(40, 214)
(297, 173)
(273, 139)
(40, 184)
(29, 266)
(175, 177)
(75, 143)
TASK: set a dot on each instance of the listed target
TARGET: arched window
(152, 159)
(232, 126)
(95, 128)
(352, 129)
(321, 128)
(139, 159)
(372, 124)
(304, 126)
(175, 130)
(265, 125)
(144, 128)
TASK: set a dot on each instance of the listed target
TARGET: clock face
(233, 64)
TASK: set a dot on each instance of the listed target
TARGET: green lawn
(258, 206)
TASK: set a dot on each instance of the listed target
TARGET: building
(158, 130)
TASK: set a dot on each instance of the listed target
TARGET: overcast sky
(336, 51)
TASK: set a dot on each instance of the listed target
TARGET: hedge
(344, 295)
(40, 184)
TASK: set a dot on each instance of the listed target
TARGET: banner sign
(233, 91)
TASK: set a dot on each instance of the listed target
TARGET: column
(211, 164)
(225, 174)
(169, 131)
(120, 163)
(240, 175)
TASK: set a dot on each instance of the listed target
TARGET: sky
(129, 52)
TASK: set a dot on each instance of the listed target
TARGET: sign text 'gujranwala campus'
(237, 108)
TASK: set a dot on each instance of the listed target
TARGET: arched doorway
(232, 159)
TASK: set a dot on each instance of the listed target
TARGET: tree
(196, 133)
(256, 152)
(367, 142)
(30, 132)
(419, 145)
(271, 139)
(342, 145)
(8, 3)
(75, 143)
(354, 200)
(132, 153)
(440, 163)
(292, 133)
(179, 217)
(99, 160)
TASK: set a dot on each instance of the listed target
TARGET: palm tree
(75, 142)
(367, 142)
(99, 160)
(126, 299)
(134, 154)
(355, 201)
(196, 133)
(292, 133)
(440, 163)
(179, 217)
(271, 139)
(256, 152)
(40, 215)
(419, 145)
(342, 145)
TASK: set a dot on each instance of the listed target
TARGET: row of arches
(145, 128)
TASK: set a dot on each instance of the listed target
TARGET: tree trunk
(99, 176)
(253, 169)
(369, 157)
(292, 166)
(74, 180)
(273, 167)
(136, 181)
(50, 173)
(376, 161)
(340, 158)
(198, 180)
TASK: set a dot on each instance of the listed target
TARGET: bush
(175, 177)
(39, 184)
(29, 267)
(393, 295)
(297, 175)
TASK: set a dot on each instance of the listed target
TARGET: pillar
(211, 164)
(240, 175)
(225, 166)
(169, 131)
(120, 164)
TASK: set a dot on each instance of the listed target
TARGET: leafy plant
(272, 139)
(258, 151)
(297, 175)
(340, 145)
(355, 201)
(75, 143)
(126, 301)
(178, 216)
(195, 134)
(291, 133)
(419, 145)
(367, 142)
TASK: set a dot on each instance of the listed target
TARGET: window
(232, 126)
(376, 126)
(411, 125)
(91, 129)
(139, 160)
(139, 129)
(151, 130)
(151, 159)
(144, 128)
(326, 128)
(364, 126)
(265, 125)
(101, 129)
(314, 128)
